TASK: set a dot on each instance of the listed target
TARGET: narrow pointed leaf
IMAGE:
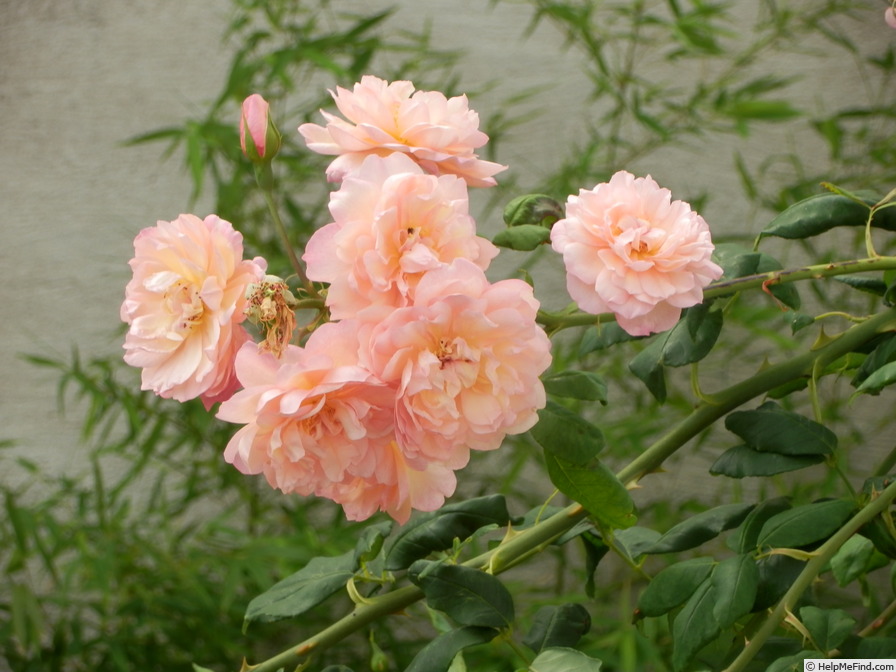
(700, 528)
(804, 525)
(823, 212)
(743, 461)
(469, 596)
(301, 591)
(437, 531)
(772, 429)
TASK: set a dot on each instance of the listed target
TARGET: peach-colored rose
(317, 423)
(466, 358)
(184, 305)
(890, 17)
(439, 133)
(631, 250)
(392, 224)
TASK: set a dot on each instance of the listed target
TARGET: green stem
(515, 548)
(557, 321)
(813, 568)
(284, 238)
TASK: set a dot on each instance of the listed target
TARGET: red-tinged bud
(259, 137)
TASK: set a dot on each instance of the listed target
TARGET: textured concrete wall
(80, 76)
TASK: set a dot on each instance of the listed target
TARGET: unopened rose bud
(259, 137)
(890, 17)
(272, 308)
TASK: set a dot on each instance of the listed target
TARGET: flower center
(182, 301)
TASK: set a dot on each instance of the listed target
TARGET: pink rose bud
(262, 142)
(890, 17)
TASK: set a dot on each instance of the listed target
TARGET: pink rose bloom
(184, 305)
(317, 423)
(631, 250)
(890, 17)
(466, 358)
(439, 133)
(393, 223)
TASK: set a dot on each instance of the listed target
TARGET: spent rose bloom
(890, 17)
(439, 133)
(317, 423)
(184, 305)
(393, 223)
(631, 250)
(466, 358)
(259, 138)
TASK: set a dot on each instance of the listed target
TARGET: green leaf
(828, 627)
(595, 550)
(529, 209)
(523, 238)
(700, 528)
(558, 625)
(868, 285)
(804, 525)
(736, 581)
(603, 336)
(851, 560)
(336, 668)
(822, 212)
(883, 354)
(199, 668)
(672, 586)
(634, 541)
(742, 461)
(792, 663)
(438, 654)
(744, 539)
(583, 385)
(560, 659)
(776, 574)
(567, 435)
(370, 543)
(301, 591)
(772, 429)
(469, 596)
(694, 626)
(595, 487)
(689, 341)
(438, 530)
(881, 378)
(738, 261)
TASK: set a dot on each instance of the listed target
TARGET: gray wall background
(78, 77)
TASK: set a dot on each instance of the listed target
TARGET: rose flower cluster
(423, 359)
